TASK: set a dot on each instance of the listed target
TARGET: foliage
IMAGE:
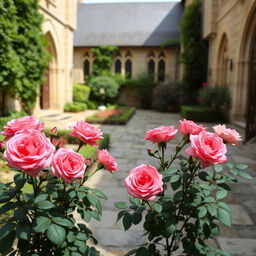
(216, 97)
(43, 218)
(113, 115)
(81, 93)
(103, 58)
(118, 78)
(188, 211)
(194, 50)
(75, 107)
(23, 55)
(92, 104)
(165, 95)
(108, 84)
(145, 84)
(202, 114)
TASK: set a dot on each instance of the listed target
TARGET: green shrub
(166, 95)
(74, 107)
(92, 104)
(202, 114)
(81, 93)
(217, 97)
(109, 85)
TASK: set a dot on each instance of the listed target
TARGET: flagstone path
(130, 149)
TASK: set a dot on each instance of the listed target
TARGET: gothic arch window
(118, 66)
(161, 55)
(151, 54)
(86, 67)
(128, 54)
(128, 68)
(151, 67)
(161, 70)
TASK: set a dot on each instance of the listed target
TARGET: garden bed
(202, 114)
(112, 115)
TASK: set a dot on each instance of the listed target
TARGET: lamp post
(102, 98)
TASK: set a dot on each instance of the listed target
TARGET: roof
(127, 24)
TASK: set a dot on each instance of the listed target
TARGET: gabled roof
(127, 24)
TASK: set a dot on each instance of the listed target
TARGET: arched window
(161, 70)
(128, 68)
(86, 67)
(118, 66)
(151, 67)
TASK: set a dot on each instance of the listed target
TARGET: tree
(194, 55)
(23, 54)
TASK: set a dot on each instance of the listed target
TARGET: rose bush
(181, 203)
(42, 222)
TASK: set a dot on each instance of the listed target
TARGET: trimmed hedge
(75, 107)
(115, 119)
(81, 93)
(202, 114)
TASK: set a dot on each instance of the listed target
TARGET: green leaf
(229, 165)
(7, 207)
(234, 171)
(175, 178)
(212, 209)
(98, 207)
(121, 214)
(7, 243)
(41, 224)
(23, 231)
(86, 216)
(169, 171)
(202, 211)
(170, 230)
(45, 205)
(176, 185)
(131, 252)
(224, 206)
(127, 221)
(121, 205)
(92, 199)
(40, 198)
(95, 215)
(241, 166)
(63, 222)
(221, 194)
(70, 237)
(134, 200)
(56, 234)
(245, 175)
(136, 218)
(99, 193)
(209, 199)
(157, 207)
(82, 236)
(5, 230)
(224, 217)
(218, 168)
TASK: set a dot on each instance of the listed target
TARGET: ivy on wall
(23, 54)
(103, 58)
(194, 55)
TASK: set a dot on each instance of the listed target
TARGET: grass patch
(112, 115)
(202, 114)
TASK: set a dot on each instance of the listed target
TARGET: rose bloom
(107, 160)
(20, 124)
(161, 134)
(228, 135)
(144, 181)
(29, 151)
(189, 127)
(208, 148)
(86, 132)
(68, 165)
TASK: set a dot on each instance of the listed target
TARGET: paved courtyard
(130, 149)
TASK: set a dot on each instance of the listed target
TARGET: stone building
(230, 28)
(138, 29)
(58, 27)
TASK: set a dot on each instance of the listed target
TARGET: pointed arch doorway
(49, 75)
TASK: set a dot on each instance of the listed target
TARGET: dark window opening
(118, 66)
(161, 70)
(128, 69)
(86, 68)
(151, 67)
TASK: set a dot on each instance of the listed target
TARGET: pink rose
(107, 160)
(227, 134)
(144, 181)
(86, 132)
(189, 127)
(68, 165)
(20, 124)
(208, 148)
(161, 134)
(29, 151)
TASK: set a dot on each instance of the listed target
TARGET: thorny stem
(81, 144)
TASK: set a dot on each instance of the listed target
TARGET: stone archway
(46, 89)
(223, 61)
(246, 87)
